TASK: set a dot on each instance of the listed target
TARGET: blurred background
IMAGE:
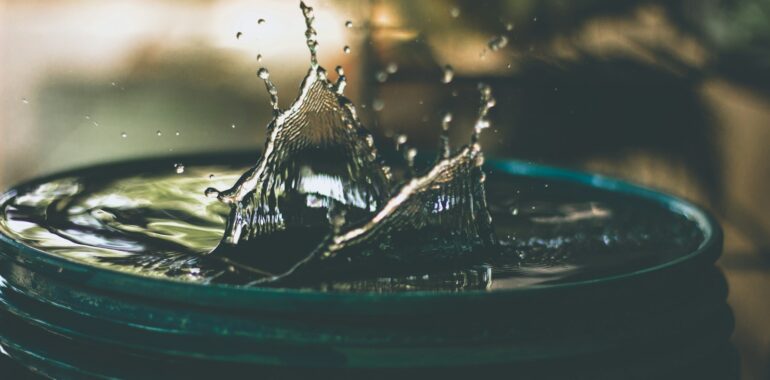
(671, 94)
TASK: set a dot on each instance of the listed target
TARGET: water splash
(438, 217)
(321, 173)
(317, 154)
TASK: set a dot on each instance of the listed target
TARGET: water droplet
(497, 43)
(96, 124)
(401, 140)
(446, 120)
(114, 84)
(259, 57)
(177, 133)
(378, 105)
(348, 24)
(88, 117)
(410, 154)
(24, 100)
(124, 135)
(238, 35)
(392, 68)
(454, 12)
(211, 176)
(179, 168)
(381, 76)
(158, 133)
(340, 71)
(346, 49)
(449, 74)
(232, 126)
(261, 21)
(509, 26)
(263, 73)
(534, 19)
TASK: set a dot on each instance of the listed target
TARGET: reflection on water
(159, 224)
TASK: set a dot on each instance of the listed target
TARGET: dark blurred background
(671, 94)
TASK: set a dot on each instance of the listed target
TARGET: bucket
(68, 320)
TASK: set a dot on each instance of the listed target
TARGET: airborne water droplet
(232, 126)
(159, 133)
(454, 12)
(348, 24)
(124, 135)
(238, 35)
(378, 105)
(346, 49)
(24, 100)
(498, 42)
(177, 133)
(392, 68)
(259, 57)
(449, 74)
(381, 76)
(340, 71)
(263, 73)
(400, 140)
(179, 168)
(509, 26)
(261, 21)
(446, 120)
(410, 154)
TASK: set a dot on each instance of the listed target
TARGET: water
(156, 223)
(322, 176)
(322, 208)
(498, 42)
(449, 74)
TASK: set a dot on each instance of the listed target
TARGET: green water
(158, 223)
